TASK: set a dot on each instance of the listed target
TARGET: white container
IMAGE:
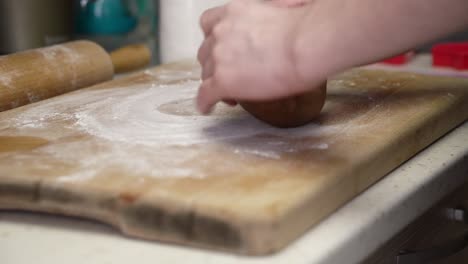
(180, 35)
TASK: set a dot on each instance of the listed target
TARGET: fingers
(208, 69)
(210, 18)
(207, 97)
(214, 29)
(205, 49)
(205, 57)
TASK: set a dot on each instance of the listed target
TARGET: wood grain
(12, 144)
(251, 192)
(35, 75)
(130, 58)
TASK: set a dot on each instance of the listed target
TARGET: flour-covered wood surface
(134, 153)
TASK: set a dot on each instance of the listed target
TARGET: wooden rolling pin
(35, 75)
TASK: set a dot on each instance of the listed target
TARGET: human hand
(261, 51)
(290, 3)
(248, 52)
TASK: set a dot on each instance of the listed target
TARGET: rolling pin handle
(130, 58)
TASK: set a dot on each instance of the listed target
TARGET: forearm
(346, 33)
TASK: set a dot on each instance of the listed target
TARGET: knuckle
(204, 19)
(208, 69)
(199, 55)
(218, 30)
(235, 6)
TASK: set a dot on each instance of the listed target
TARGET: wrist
(315, 52)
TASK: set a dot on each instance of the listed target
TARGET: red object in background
(400, 59)
(453, 55)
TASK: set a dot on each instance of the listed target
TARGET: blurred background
(27, 24)
(168, 27)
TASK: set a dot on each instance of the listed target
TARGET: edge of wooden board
(157, 220)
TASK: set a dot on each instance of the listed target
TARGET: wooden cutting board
(134, 153)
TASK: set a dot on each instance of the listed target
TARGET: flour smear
(153, 115)
(155, 130)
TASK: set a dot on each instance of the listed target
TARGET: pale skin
(266, 50)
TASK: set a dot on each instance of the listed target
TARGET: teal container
(115, 23)
(104, 17)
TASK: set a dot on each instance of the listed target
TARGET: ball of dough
(289, 112)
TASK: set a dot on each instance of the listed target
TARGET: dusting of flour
(134, 116)
(155, 130)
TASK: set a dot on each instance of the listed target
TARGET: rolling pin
(34, 75)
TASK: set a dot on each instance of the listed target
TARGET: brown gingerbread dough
(289, 112)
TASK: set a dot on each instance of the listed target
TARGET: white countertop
(347, 236)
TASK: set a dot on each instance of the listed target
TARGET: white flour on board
(165, 115)
(153, 115)
(155, 130)
(165, 75)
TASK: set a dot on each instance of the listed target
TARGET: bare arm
(357, 32)
(257, 50)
